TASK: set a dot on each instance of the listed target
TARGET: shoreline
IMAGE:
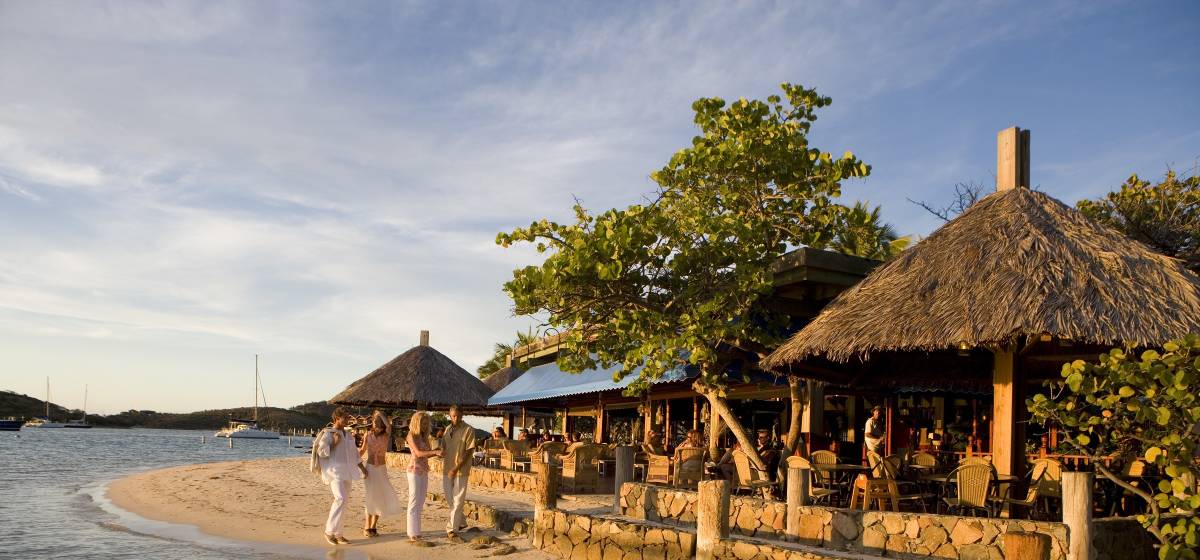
(277, 503)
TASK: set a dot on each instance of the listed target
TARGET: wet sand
(278, 501)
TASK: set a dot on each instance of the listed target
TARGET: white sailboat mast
(47, 399)
(256, 387)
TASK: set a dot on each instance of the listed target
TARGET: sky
(185, 185)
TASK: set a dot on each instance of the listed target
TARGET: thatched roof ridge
(502, 377)
(419, 378)
(1017, 262)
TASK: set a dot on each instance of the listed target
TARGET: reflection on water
(52, 499)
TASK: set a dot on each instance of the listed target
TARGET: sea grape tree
(682, 278)
(1144, 407)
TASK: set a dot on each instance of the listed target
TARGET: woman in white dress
(418, 470)
(381, 497)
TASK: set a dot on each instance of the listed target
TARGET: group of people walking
(340, 461)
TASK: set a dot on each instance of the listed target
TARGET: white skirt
(381, 497)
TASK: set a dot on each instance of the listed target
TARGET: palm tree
(862, 235)
(500, 355)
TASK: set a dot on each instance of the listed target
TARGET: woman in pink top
(418, 470)
(381, 497)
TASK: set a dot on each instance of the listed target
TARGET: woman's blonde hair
(416, 426)
(379, 422)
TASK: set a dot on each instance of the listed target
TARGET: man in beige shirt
(458, 447)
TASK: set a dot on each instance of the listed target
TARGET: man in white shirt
(335, 456)
(458, 445)
(873, 432)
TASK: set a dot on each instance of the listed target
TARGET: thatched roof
(1018, 262)
(419, 378)
(501, 378)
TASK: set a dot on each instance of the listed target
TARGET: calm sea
(52, 501)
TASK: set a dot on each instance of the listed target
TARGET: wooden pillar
(695, 413)
(523, 422)
(889, 408)
(852, 417)
(600, 418)
(813, 419)
(666, 423)
(1006, 445)
(1012, 159)
(1026, 546)
(798, 483)
(545, 493)
(712, 517)
(1077, 514)
(622, 473)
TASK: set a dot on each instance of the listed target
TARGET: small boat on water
(81, 422)
(10, 425)
(248, 429)
(45, 422)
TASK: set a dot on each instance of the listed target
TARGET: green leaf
(1126, 392)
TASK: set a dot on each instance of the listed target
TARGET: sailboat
(45, 422)
(80, 422)
(248, 429)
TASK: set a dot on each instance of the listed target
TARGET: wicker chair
(976, 460)
(658, 466)
(972, 486)
(555, 448)
(579, 470)
(749, 477)
(818, 489)
(923, 459)
(513, 451)
(824, 457)
(689, 466)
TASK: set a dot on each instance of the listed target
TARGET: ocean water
(52, 503)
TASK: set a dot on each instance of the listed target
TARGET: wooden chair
(818, 490)
(973, 485)
(689, 466)
(513, 451)
(491, 450)
(750, 478)
(658, 467)
(579, 469)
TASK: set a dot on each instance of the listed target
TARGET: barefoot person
(381, 497)
(457, 447)
(418, 471)
(336, 458)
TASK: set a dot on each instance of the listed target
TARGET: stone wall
(480, 477)
(912, 535)
(582, 537)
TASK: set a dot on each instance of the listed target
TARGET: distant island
(308, 416)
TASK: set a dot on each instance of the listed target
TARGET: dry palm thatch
(420, 378)
(1018, 262)
(502, 377)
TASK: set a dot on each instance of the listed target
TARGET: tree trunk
(717, 403)
(798, 398)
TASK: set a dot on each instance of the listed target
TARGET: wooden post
(813, 419)
(1012, 159)
(712, 517)
(1007, 449)
(1026, 546)
(424, 338)
(798, 482)
(622, 473)
(889, 406)
(1077, 514)
(230, 438)
(695, 413)
(666, 423)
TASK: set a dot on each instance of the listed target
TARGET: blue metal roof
(547, 382)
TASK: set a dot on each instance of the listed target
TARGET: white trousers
(341, 491)
(455, 491)
(417, 485)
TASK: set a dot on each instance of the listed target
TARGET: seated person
(766, 450)
(522, 435)
(654, 444)
(498, 434)
(725, 463)
(692, 441)
(574, 442)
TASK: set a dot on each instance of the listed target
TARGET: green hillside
(306, 416)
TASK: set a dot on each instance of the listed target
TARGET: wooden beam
(1006, 446)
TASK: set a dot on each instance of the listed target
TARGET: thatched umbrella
(1018, 262)
(421, 378)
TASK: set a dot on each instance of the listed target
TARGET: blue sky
(185, 185)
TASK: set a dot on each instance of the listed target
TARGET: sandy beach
(278, 501)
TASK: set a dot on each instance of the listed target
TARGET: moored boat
(10, 425)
